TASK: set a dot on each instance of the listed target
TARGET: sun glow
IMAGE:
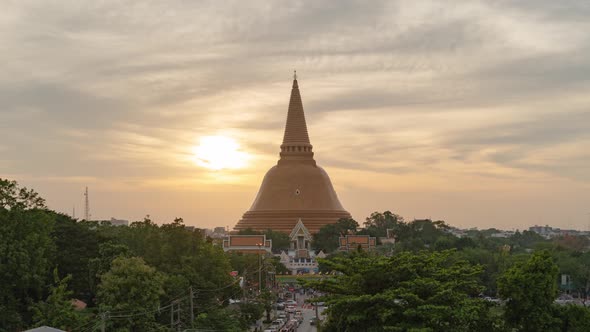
(219, 152)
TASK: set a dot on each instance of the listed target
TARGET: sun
(219, 152)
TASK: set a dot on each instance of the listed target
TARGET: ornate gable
(300, 230)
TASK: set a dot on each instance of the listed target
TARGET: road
(307, 315)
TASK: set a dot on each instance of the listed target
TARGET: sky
(473, 112)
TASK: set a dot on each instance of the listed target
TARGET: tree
(98, 266)
(219, 320)
(280, 240)
(490, 261)
(131, 289)
(530, 289)
(26, 251)
(574, 318)
(405, 292)
(81, 245)
(57, 310)
(572, 242)
(525, 240)
(328, 236)
(12, 197)
(267, 298)
(378, 223)
(250, 312)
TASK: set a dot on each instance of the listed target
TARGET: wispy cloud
(419, 94)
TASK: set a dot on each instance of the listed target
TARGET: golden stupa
(296, 188)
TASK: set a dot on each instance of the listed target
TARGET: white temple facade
(300, 258)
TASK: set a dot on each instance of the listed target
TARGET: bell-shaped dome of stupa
(296, 188)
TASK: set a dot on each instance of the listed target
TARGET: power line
(168, 304)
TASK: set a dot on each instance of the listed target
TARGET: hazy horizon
(476, 113)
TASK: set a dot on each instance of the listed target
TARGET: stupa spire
(296, 143)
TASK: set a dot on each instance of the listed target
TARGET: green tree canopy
(378, 223)
(529, 289)
(12, 196)
(130, 292)
(328, 236)
(26, 252)
(58, 310)
(406, 292)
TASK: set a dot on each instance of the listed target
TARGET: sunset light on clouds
(474, 112)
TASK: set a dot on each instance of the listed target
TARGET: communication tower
(86, 206)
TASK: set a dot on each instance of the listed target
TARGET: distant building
(300, 258)
(353, 242)
(217, 233)
(502, 234)
(247, 244)
(119, 222)
(545, 231)
(457, 232)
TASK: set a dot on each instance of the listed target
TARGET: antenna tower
(86, 206)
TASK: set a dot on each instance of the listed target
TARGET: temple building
(356, 242)
(296, 188)
(300, 258)
(248, 244)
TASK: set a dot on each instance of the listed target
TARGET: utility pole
(103, 321)
(178, 323)
(172, 315)
(244, 284)
(190, 291)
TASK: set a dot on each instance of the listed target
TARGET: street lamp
(259, 268)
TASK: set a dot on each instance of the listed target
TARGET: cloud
(426, 90)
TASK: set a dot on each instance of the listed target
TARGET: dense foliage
(530, 289)
(422, 291)
(130, 277)
(327, 238)
(144, 276)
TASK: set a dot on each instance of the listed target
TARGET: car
(270, 330)
(313, 321)
(280, 306)
(282, 316)
(295, 322)
(492, 299)
(291, 302)
(290, 309)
